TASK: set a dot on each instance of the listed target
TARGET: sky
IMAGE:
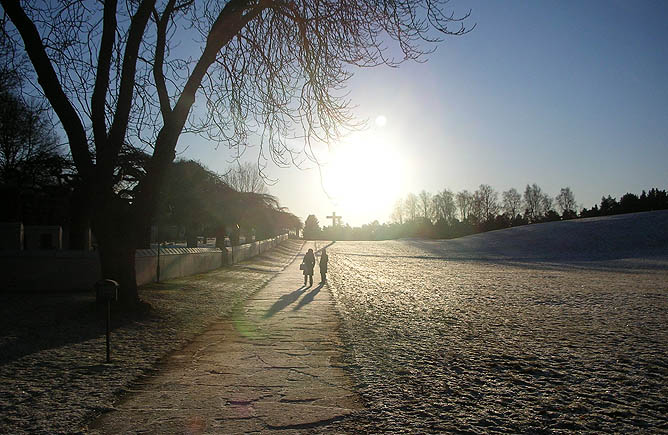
(557, 93)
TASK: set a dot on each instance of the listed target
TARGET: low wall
(175, 262)
(239, 253)
(79, 270)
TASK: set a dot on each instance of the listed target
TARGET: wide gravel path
(53, 376)
(274, 366)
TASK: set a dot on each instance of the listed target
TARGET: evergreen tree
(311, 228)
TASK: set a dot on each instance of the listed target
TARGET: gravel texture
(553, 328)
(53, 376)
(274, 366)
(470, 346)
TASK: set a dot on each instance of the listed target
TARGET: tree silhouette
(537, 203)
(512, 202)
(464, 203)
(566, 203)
(608, 205)
(196, 200)
(425, 202)
(411, 204)
(30, 154)
(200, 203)
(246, 178)
(489, 204)
(311, 228)
(121, 72)
(444, 206)
(398, 212)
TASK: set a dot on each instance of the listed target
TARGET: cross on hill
(336, 220)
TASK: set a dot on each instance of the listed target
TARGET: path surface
(53, 378)
(276, 365)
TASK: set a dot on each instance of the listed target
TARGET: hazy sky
(560, 93)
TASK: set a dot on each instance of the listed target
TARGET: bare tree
(266, 72)
(476, 214)
(536, 202)
(566, 201)
(246, 178)
(411, 205)
(532, 201)
(444, 206)
(547, 203)
(489, 203)
(30, 154)
(512, 202)
(398, 212)
(464, 203)
(424, 199)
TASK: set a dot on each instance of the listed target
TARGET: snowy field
(545, 328)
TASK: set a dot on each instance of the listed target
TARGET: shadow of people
(309, 296)
(284, 301)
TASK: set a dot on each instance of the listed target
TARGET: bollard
(107, 290)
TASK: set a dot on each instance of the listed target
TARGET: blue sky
(555, 93)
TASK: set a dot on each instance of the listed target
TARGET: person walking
(309, 265)
(324, 258)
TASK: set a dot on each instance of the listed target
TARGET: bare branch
(53, 90)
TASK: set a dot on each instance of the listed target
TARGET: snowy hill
(628, 236)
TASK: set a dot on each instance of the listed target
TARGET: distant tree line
(447, 214)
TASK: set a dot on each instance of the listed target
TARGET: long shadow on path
(309, 297)
(284, 301)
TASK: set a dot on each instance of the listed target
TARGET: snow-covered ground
(53, 378)
(551, 327)
(642, 236)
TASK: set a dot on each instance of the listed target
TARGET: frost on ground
(522, 341)
(52, 347)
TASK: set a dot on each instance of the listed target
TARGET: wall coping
(73, 253)
(175, 251)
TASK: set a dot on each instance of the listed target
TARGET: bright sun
(365, 176)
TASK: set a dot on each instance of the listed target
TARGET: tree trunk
(116, 229)
(79, 220)
(117, 259)
(191, 238)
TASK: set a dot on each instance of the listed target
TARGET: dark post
(157, 269)
(107, 290)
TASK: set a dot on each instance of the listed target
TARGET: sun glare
(364, 177)
(381, 120)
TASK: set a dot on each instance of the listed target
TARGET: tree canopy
(30, 154)
(126, 74)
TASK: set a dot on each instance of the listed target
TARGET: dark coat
(324, 258)
(309, 261)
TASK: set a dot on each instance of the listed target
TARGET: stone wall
(175, 262)
(58, 270)
(242, 252)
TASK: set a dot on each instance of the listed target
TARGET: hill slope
(628, 236)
